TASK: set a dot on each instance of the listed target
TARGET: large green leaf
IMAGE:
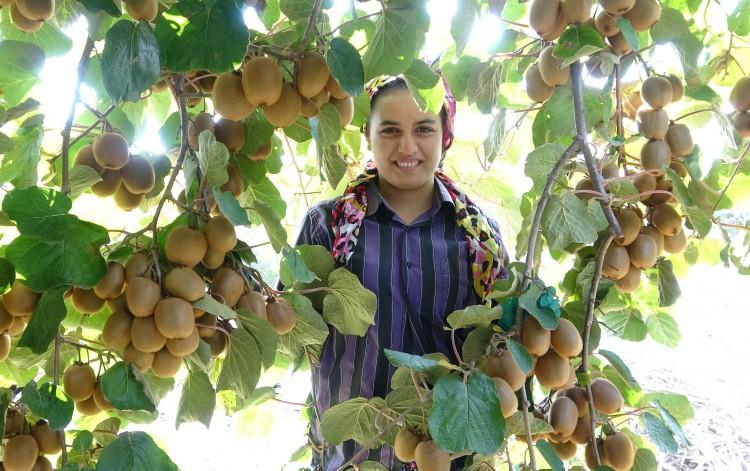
(466, 415)
(578, 41)
(546, 450)
(130, 60)
(22, 63)
(415, 362)
(309, 330)
(332, 164)
(38, 212)
(263, 191)
(123, 390)
(19, 164)
(660, 435)
(197, 401)
(671, 25)
(348, 306)
(296, 266)
(621, 368)
(212, 158)
(664, 329)
(45, 321)
(49, 37)
(566, 220)
(264, 335)
(392, 48)
(272, 223)
(48, 402)
(240, 371)
(529, 301)
(645, 460)
(134, 451)
(326, 126)
(425, 85)
(521, 355)
(230, 207)
(346, 66)
(540, 161)
(479, 314)
(353, 419)
(214, 37)
(458, 74)
(627, 324)
(739, 21)
(669, 289)
(463, 22)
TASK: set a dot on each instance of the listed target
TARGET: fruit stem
(296, 167)
(87, 48)
(702, 110)
(56, 382)
(455, 349)
(356, 18)
(731, 178)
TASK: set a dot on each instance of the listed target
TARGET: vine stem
(620, 126)
(99, 119)
(731, 178)
(356, 18)
(87, 48)
(56, 382)
(702, 110)
(310, 25)
(296, 167)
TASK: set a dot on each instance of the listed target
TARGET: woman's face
(406, 143)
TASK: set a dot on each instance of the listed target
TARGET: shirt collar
(375, 198)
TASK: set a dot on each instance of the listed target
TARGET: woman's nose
(407, 144)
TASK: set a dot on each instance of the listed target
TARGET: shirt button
(408, 264)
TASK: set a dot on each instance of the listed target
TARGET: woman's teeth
(408, 164)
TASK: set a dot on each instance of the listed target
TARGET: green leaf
(83, 441)
(22, 63)
(230, 207)
(214, 38)
(212, 306)
(332, 164)
(466, 415)
(353, 419)
(258, 131)
(134, 451)
(576, 42)
(555, 119)
(549, 455)
(213, 157)
(240, 371)
(621, 187)
(627, 323)
(514, 425)
(672, 425)
(45, 321)
(659, 433)
(463, 22)
(123, 390)
(296, 266)
(319, 260)
(309, 330)
(669, 289)
(678, 405)
(48, 402)
(264, 335)
(566, 221)
(415, 362)
(476, 343)
(272, 223)
(626, 28)
(521, 355)
(6, 143)
(130, 60)
(82, 177)
(671, 25)
(38, 212)
(7, 274)
(425, 85)
(371, 466)
(348, 306)
(699, 220)
(20, 163)
(664, 329)
(739, 21)
(108, 6)
(458, 74)
(106, 431)
(326, 126)
(540, 161)
(300, 129)
(346, 66)
(198, 400)
(528, 301)
(621, 368)
(296, 10)
(478, 314)
(645, 460)
(392, 48)
(264, 191)
(49, 37)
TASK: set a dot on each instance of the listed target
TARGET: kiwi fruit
(234, 183)
(619, 44)
(184, 283)
(429, 457)
(141, 360)
(590, 458)
(261, 81)
(656, 91)
(563, 416)
(312, 74)
(46, 438)
(656, 235)
(346, 110)
(205, 80)
(142, 9)
(678, 167)
(630, 223)
(281, 315)
(138, 175)
(113, 283)
(42, 464)
(21, 22)
(630, 282)
(228, 285)
(617, 7)
(194, 100)
(165, 364)
(632, 102)
(264, 150)
(616, 262)
(578, 395)
(643, 251)
(619, 451)
(86, 301)
(217, 342)
(4, 346)
(126, 200)
(101, 402)
(679, 139)
(405, 445)
(543, 16)
(20, 300)
(253, 301)
(174, 318)
(666, 219)
(576, 11)
(21, 453)
(565, 450)
(230, 133)
(220, 234)
(606, 24)
(141, 295)
(116, 331)
(607, 398)
(321, 98)
(534, 337)
(15, 421)
(159, 86)
(585, 184)
(108, 185)
(6, 320)
(644, 14)
(660, 198)
(308, 110)
(111, 151)
(656, 155)
(39, 10)
(285, 110)
(504, 366)
(229, 99)
(643, 183)
(566, 340)
(206, 325)
(88, 406)
(739, 97)
(19, 324)
(146, 337)
(334, 88)
(552, 370)
(536, 89)
(213, 258)
(675, 243)
(678, 89)
(582, 433)
(653, 123)
(200, 123)
(137, 265)
(185, 346)
(549, 68)
(85, 156)
(78, 381)
(185, 246)
(508, 399)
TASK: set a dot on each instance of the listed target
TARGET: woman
(411, 237)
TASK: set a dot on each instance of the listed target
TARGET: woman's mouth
(407, 163)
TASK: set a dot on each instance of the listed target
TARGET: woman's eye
(425, 129)
(389, 131)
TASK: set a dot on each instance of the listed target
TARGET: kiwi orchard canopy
(122, 269)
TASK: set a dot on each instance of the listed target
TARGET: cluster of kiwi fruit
(259, 83)
(26, 444)
(29, 15)
(16, 307)
(410, 446)
(740, 100)
(128, 178)
(642, 15)
(81, 384)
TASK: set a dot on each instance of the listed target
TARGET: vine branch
(731, 178)
(310, 24)
(56, 383)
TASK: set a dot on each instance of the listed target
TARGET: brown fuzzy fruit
(345, 108)
(656, 155)
(234, 183)
(632, 102)
(42, 464)
(261, 81)
(230, 133)
(6, 320)
(606, 24)
(429, 457)
(146, 336)
(657, 92)
(142, 9)
(142, 294)
(116, 331)
(321, 98)
(678, 167)
(113, 283)
(660, 198)
(534, 337)
(88, 406)
(285, 110)
(578, 395)
(590, 458)
(20, 300)
(508, 399)
(405, 445)
(109, 184)
(656, 235)
(99, 399)
(253, 301)
(141, 360)
(86, 301)
(213, 259)
(220, 234)
(138, 175)
(582, 433)
(536, 89)
(563, 416)
(576, 11)
(653, 123)
(165, 364)
(619, 451)
(619, 44)
(204, 80)
(4, 346)
(549, 68)
(312, 74)
(120, 303)
(85, 156)
(217, 342)
(186, 346)
(679, 139)
(585, 184)
(19, 324)
(79, 381)
(281, 316)
(565, 450)
(678, 89)
(666, 219)
(111, 151)
(39, 10)
(46, 438)
(644, 14)
(228, 285)
(21, 453)
(566, 340)
(185, 283)
(21, 22)
(552, 370)
(201, 122)
(617, 7)
(739, 97)
(137, 265)
(643, 183)
(174, 318)
(630, 223)
(630, 282)
(206, 324)
(126, 200)
(607, 398)
(543, 16)
(229, 98)
(185, 246)
(676, 243)
(504, 366)
(616, 262)
(643, 251)
(334, 88)
(265, 150)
